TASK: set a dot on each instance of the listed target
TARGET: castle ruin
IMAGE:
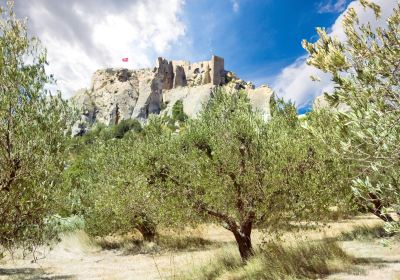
(118, 93)
(180, 73)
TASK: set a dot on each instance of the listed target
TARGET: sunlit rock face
(321, 103)
(118, 94)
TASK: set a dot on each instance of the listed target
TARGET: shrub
(119, 130)
(177, 112)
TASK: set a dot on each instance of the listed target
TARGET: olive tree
(231, 167)
(101, 186)
(365, 69)
(32, 135)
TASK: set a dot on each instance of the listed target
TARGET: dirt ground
(76, 258)
(383, 261)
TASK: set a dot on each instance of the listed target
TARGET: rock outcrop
(117, 94)
(321, 103)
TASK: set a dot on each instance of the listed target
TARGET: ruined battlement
(181, 73)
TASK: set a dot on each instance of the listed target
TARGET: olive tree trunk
(148, 231)
(243, 242)
(378, 207)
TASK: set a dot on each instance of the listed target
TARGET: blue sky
(259, 39)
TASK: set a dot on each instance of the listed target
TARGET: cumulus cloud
(332, 6)
(82, 36)
(294, 82)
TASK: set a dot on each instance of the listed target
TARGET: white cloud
(294, 81)
(332, 6)
(235, 5)
(83, 36)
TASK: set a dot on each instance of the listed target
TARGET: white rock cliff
(118, 94)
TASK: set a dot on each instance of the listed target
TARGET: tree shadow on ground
(31, 274)
(162, 244)
(377, 261)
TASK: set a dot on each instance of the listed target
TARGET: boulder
(193, 98)
(260, 99)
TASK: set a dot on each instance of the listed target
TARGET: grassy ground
(306, 260)
(210, 253)
(359, 252)
(364, 232)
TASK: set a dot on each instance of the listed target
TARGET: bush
(103, 132)
(177, 112)
(119, 130)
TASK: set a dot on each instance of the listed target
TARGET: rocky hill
(117, 93)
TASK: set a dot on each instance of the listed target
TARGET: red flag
(125, 59)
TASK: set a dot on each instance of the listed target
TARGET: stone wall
(217, 71)
(198, 73)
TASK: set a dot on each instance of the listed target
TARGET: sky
(260, 40)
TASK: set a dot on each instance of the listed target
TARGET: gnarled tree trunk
(145, 225)
(244, 244)
(148, 232)
(378, 207)
(243, 237)
(241, 231)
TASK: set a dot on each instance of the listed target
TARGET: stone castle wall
(183, 73)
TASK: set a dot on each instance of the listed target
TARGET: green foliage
(119, 130)
(324, 128)
(96, 132)
(102, 186)
(280, 108)
(177, 112)
(65, 225)
(103, 132)
(33, 124)
(231, 167)
(227, 166)
(365, 72)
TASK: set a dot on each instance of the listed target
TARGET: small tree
(102, 186)
(365, 70)
(32, 141)
(229, 166)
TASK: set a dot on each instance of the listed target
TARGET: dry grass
(364, 232)
(305, 260)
